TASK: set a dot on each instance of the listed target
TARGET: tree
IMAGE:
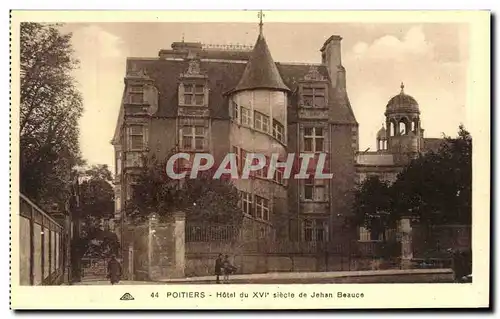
(49, 112)
(437, 187)
(96, 202)
(204, 199)
(372, 206)
(96, 192)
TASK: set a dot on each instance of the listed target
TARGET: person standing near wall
(218, 268)
(114, 270)
(228, 268)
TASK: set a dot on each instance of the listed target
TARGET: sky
(431, 60)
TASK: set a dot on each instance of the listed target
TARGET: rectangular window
(278, 131)
(133, 159)
(261, 208)
(136, 137)
(309, 189)
(236, 153)
(315, 230)
(278, 176)
(261, 122)
(118, 163)
(246, 116)
(136, 94)
(235, 112)
(314, 190)
(194, 94)
(246, 199)
(262, 173)
(193, 138)
(314, 97)
(136, 88)
(244, 161)
(313, 139)
(320, 227)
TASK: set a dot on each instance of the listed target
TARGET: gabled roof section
(224, 76)
(261, 71)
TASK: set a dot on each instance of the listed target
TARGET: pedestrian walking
(114, 270)
(218, 268)
(228, 269)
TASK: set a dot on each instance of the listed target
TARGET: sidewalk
(409, 275)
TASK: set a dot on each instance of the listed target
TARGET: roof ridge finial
(402, 88)
(260, 15)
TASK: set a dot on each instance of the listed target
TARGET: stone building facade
(193, 99)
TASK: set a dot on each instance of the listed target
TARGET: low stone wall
(378, 276)
(202, 264)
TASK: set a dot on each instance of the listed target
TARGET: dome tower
(382, 139)
(403, 126)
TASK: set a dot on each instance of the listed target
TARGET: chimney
(331, 57)
(182, 50)
(341, 80)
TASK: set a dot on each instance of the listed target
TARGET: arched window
(391, 129)
(402, 128)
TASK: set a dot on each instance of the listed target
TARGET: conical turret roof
(261, 71)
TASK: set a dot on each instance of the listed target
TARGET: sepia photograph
(261, 152)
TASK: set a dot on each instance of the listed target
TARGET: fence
(250, 229)
(41, 244)
(199, 233)
(263, 254)
(260, 256)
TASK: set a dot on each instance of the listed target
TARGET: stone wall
(435, 240)
(156, 249)
(261, 256)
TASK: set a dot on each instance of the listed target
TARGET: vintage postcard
(250, 159)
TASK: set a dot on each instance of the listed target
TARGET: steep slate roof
(261, 71)
(224, 77)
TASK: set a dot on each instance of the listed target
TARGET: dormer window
(136, 94)
(314, 96)
(194, 95)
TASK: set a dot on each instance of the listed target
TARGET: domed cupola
(402, 103)
(382, 139)
(403, 126)
(382, 133)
